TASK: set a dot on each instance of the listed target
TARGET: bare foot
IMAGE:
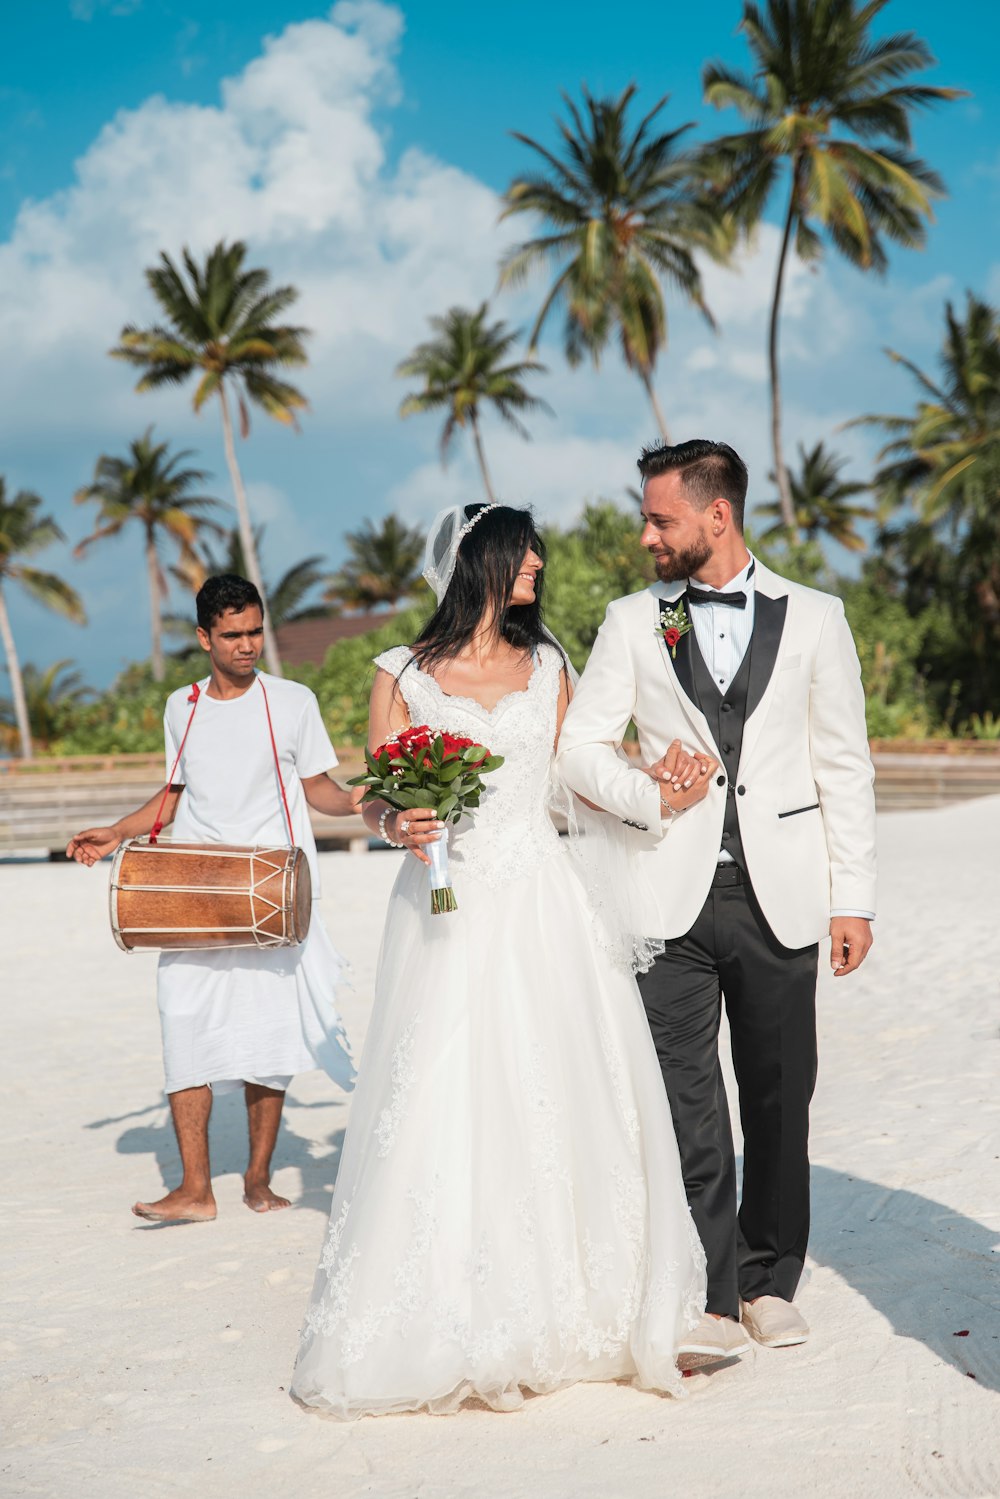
(258, 1196)
(179, 1206)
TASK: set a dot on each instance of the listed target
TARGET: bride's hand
(678, 769)
(693, 790)
(414, 829)
(684, 776)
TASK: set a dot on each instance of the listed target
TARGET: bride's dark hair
(486, 568)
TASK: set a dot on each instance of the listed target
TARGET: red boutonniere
(673, 624)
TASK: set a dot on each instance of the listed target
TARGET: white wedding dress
(509, 1213)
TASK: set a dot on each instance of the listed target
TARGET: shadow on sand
(317, 1164)
(931, 1272)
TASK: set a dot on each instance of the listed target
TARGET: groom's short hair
(709, 471)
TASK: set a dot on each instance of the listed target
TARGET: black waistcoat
(726, 716)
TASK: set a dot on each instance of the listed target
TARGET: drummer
(252, 1017)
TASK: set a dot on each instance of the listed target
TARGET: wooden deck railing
(43, 803)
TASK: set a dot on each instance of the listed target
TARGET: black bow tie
(707, 596)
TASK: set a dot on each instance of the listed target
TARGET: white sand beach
(149, 1360)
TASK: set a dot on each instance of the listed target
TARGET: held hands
(683, 776)
(92, 845)
(414, 829)
(850, 943)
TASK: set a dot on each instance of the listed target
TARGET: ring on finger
(404, 826)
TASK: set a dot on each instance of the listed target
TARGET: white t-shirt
(231, 792)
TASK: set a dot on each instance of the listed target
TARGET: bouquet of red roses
(424, 767)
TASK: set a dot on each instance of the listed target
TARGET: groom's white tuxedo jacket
(804, 787)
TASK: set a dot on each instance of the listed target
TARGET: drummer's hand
(92, 845)
(414, 829)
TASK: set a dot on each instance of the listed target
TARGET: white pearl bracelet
(382, 832)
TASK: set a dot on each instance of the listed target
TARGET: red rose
(672, 636)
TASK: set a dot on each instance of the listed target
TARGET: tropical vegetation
(25, 531)
(821, 501)
(222, 325)
(622, 214)
(829, 112)
(383, 566)
(619, 210)
(151, 489)
(465, 367)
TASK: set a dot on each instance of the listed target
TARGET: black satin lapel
(682, 663)
(768, 624)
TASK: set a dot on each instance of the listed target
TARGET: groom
(762, 674)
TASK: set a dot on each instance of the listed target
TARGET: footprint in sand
(278, 1277)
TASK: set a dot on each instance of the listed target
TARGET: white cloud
(292, 160)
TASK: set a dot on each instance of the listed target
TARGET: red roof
(308, 640)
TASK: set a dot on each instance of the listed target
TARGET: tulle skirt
(509, 1213)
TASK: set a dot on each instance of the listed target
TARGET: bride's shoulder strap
(394, 659)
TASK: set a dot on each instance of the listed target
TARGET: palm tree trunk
(271, 657)
(480, 454)
(155, 621)
(16, 680)
(780, 471)
(661, 421)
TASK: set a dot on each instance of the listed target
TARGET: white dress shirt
(723, 635)
(723, 632)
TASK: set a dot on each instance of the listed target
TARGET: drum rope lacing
(257, 856)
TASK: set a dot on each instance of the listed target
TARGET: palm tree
(148, 487)
(223, 323)
(383, 568)
(819, 71)
(945, 459)
(941, 469)
(48, 695)
(621, 212)
(285, 598)
(821, 500)
(463, 369)
(23, 532)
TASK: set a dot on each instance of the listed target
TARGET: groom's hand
(678, 769)
(850, 943)
(684, 776)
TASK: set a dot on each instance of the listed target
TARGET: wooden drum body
(208, 895)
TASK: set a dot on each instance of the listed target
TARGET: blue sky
(359, 152)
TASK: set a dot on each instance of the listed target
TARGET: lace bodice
(512, 831)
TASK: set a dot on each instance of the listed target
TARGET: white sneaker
(714, 1339)
(774, 1322)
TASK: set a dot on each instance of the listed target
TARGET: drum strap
(157, 827)
(277, 766)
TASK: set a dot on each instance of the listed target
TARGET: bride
(509, 1213)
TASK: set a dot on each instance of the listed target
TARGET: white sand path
(145, 1360)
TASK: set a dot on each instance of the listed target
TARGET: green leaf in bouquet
(451, 770)
(474, 752)
(493, 763)
(447, 805)
(408, 797)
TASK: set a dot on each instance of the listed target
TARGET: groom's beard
(675, 566)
